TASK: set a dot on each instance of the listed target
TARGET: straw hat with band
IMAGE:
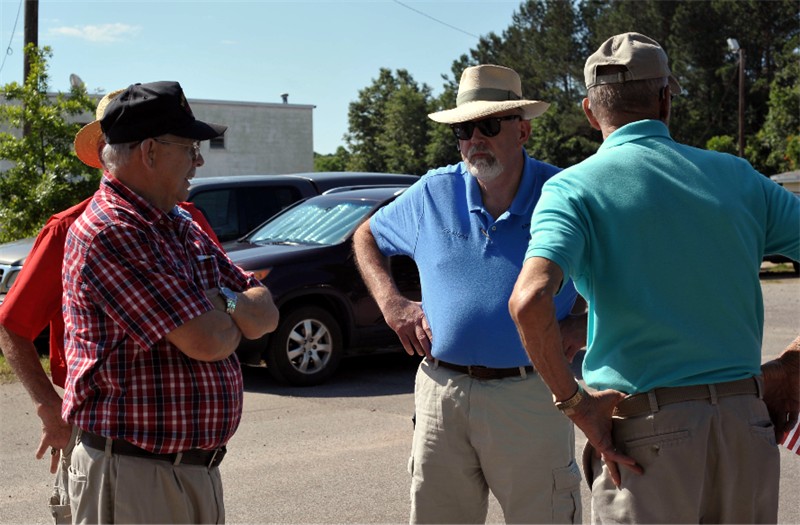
(642, 56)
(485, 90)
(88, 139)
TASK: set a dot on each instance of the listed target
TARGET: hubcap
(309, 346)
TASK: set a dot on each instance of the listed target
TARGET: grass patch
(7, 375)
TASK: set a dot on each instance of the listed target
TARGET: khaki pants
(112, 488)
(502, 435)
(59, 500)
(704, 462)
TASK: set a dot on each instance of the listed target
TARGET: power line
(10, 51)
(436, 19)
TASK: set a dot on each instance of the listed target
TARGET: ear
(525, 131)
(147, 152)
(587, 110)
(665, 105)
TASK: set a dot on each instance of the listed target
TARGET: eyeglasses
(489, 127)
(195, 147)
(662, 93)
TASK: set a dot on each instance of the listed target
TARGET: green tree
(45, 176)
(335, 162)
(388, 125)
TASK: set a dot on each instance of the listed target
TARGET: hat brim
(199, 130)
(483, 108)
(87, 144)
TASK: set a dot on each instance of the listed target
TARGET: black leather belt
(485, 373)
(639, 404)
(207, 458)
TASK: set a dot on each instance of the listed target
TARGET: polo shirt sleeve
(396, 225)
(35, 297)
(558, 229)
(783, 220)
(138, 288)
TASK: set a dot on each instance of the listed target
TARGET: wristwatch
(230, 299)
(568, 405)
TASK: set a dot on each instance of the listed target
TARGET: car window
(262, 202)
(312, 222)
(219, 207)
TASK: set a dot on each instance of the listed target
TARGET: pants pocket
(567, 494)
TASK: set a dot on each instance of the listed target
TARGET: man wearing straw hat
(34, 302)
(677, 428)
(484, 419)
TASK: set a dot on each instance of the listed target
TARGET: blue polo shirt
(665, 242)
(468, 262)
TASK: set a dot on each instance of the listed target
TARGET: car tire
(306, 348)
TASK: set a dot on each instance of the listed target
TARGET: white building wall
(262, 138)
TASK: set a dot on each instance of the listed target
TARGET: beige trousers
(502, 435)
(112, 488)
(712, 461)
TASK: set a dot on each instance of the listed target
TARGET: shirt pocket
(206, 271)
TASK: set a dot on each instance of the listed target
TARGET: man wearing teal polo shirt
(485, 420)
(674, 343)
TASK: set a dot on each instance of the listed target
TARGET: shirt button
(494, 228)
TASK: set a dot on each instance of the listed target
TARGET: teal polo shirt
(665, 242)
(468, 262)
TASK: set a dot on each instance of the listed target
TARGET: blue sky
(320, 52)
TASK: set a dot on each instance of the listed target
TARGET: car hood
(253, 256)
(14, 253)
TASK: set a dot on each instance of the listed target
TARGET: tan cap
(485, 90)
(642, 56)
(87, 140)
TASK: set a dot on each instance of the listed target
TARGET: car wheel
(306, 348)
(796, 266)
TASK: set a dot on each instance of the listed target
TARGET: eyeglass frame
(194, 146)
(482, 126)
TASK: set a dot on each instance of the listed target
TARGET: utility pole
(31, 32)
(31, 37)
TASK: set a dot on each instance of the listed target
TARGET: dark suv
(233, 205)
(304, 256)
(237, 204)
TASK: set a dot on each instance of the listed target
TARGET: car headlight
(262, 273)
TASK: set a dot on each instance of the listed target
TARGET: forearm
(212, 336)
(374, 268)
(256, 313)
(24, 361)
(532, 308)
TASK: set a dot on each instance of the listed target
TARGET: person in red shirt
(35, 301)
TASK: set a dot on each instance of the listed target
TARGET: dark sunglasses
(489, 127)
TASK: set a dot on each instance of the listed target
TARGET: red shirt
(35, 299)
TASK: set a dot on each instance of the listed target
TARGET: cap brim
(87, 144)
(482, 108)
(199, 130)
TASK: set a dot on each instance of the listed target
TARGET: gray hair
(116, 155)
(637, 98)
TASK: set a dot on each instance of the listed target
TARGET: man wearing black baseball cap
(153, 312)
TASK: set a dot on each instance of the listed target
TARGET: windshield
(314, 223)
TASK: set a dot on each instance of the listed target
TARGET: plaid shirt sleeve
(142, 286)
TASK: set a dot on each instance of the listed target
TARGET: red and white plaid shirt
(132, 274)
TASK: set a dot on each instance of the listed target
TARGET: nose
(199, 161)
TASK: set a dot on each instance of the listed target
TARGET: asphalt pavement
(335, 453)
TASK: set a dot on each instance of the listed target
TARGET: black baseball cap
(148, 110)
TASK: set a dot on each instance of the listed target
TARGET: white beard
(485, 170)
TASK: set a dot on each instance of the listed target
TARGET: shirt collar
(116, 190)
(635, 131)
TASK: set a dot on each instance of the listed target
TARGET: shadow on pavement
(379, 374)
